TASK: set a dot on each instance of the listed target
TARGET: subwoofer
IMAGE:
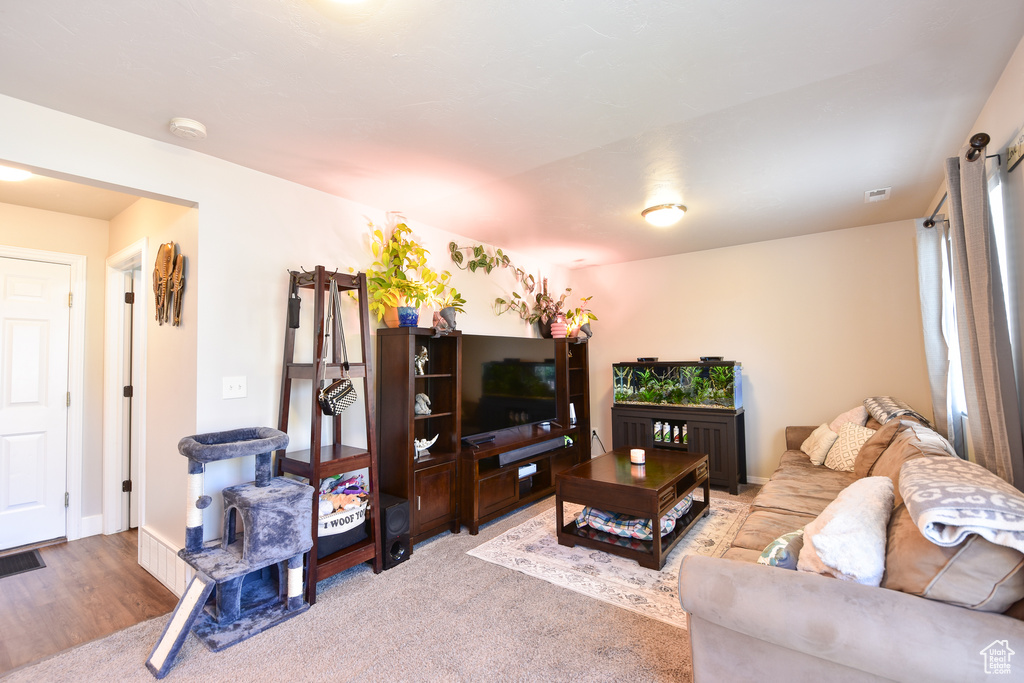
(397, 545)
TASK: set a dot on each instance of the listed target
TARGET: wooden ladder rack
(324, 460)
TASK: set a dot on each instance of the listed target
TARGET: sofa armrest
(796, 436)
(886, 633)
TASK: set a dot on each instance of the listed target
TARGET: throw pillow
(858, 416)
(783, 551)
(843, 454)
(885, 408)
(976, 574)
(817, 444)
(875, 446)
(847, 540)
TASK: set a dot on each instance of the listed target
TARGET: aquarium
(696, 384)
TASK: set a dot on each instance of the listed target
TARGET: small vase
(558, 328)
(408, 316)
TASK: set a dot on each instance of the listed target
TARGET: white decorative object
(422, 445)
(818, 443)
(421, 361)
(637, 456)
(847, 540)
(422, 406)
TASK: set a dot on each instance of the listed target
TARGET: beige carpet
(533, 549)
(441, 616)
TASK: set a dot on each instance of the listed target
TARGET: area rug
(532, 548)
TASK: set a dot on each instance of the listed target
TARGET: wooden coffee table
(609, 482)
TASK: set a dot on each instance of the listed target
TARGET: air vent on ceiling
(879, 195)
(188, 129)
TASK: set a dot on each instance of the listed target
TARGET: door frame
(132, 256)
(76, 374)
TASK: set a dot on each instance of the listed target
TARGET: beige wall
(50, 231)
(170, 358)
(819, 322)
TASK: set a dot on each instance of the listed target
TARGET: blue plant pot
(408, 316)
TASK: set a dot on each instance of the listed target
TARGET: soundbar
(509, 457)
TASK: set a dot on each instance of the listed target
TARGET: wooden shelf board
(435, 375)
(427, 417)
(435, 458)
(334, 459)
(346, 558)
(332, 371)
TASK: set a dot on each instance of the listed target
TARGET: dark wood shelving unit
(429, 483)
(322, 460)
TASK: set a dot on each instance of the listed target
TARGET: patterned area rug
(531, 548)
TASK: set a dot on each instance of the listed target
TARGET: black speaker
(395, 524)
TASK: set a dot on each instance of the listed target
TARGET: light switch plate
(234, 387)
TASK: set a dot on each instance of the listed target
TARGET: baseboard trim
(91, 526)
(160, 558)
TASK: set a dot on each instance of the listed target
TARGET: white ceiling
(545, 126)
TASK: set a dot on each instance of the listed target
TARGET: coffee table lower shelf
(634, 548)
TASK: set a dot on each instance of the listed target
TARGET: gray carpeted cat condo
(256, 569)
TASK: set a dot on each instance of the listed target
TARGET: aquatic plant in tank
(684, 383)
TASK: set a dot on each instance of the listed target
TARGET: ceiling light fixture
(189, 129)
(663, 215)
(14, 175)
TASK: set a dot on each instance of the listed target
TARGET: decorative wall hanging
(169, 283)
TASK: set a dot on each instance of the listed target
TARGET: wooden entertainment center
(462, 484)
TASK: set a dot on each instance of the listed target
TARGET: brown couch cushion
(912, 440)
(764, 526)
(975, 574)
(874, 447)
(806, 495)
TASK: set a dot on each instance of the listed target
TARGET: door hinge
(69, 399)
(71, 298)
(129, 391)
(126, 486)
(67, 499)
(129, 297)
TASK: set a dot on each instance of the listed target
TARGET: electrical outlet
(234, 387)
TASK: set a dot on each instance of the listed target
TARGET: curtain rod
(979, 141)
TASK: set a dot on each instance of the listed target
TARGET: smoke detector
(879, 195)
(188, 129)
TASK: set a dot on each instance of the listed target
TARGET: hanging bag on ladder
(340, 393)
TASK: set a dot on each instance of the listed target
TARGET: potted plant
(400, 276)
(579, 318)
(448, 300)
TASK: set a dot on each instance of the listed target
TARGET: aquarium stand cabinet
(717, 432)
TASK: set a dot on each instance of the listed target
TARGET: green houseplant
(400, 275)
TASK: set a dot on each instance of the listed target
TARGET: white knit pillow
(844, 451)
(858, 415)
(847, 540)
(817, 444)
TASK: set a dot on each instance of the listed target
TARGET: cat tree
(256, 566)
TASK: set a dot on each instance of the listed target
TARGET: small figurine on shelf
(422, 445)
(421, 361)
(422, 406)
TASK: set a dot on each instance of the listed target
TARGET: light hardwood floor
(89, 589)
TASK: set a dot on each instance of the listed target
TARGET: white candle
(637, 456)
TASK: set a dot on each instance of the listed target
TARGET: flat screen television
(506, 382)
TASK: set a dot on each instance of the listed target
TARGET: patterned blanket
(885, 408)
(949, 499)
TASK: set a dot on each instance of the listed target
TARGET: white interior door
(34, 328)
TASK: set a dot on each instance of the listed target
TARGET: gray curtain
(933, 285)
(989, 384)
